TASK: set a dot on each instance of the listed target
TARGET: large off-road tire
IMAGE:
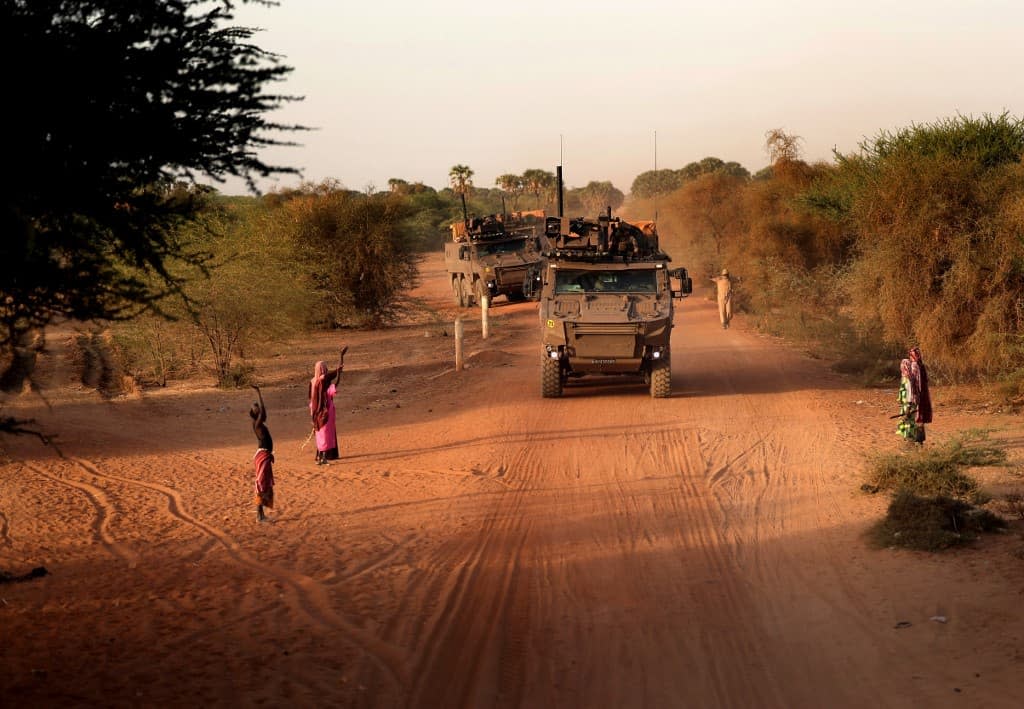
(515, 296)
(661, 379)
(462, 297)
(456, 291)
(551, 378)
(479, 291)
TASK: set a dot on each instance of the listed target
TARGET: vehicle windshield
(500, 247)
(571, 281)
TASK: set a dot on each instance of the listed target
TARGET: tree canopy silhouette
(114, 110)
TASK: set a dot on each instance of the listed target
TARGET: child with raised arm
(263, 461)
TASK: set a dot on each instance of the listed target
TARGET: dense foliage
(917, 238)
(936, 213)
(112, 106)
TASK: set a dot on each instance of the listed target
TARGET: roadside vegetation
(935, 503)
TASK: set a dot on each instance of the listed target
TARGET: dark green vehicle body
(606, 303)
(491, 257)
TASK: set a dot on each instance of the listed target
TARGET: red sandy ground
(479, 546)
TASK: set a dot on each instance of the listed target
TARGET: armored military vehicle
(606, 302)
(492, 256)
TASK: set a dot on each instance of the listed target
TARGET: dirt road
(479, 546)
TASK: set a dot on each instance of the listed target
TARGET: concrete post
(459, 336)
(485, 323)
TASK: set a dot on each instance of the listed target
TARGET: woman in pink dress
(322, 388)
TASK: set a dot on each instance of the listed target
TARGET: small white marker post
(459, 336)
(485, 323)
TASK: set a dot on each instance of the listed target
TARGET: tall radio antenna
(655, 176)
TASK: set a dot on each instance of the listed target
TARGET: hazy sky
(407, 89)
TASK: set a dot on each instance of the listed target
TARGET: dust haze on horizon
(406, 90)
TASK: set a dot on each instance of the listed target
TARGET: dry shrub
(151, 350)
(937, 471)
(1013, 504)
(936, 211)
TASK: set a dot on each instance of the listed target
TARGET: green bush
(936, 471)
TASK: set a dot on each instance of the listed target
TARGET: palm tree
(461, 179)
(398, 185)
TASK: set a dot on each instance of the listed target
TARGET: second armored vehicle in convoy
(492, 256)
(606, 302)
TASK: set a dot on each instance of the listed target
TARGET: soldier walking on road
(724, 285)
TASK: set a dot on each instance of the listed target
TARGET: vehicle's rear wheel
(661, 379)
(551, 378)
(462, 296)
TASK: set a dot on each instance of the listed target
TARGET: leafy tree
(115, 103)
(254, 293)
(735, 169)
(430, 213)
(713, 209)
(358, 258)
(710, 165)
(597, 196)
(512, 185)
(655, 182)
(539, 183)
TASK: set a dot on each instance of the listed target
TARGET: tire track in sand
(105, 512)
(479, 627)
(308, 597)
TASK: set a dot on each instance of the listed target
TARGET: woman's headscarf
(318, 405)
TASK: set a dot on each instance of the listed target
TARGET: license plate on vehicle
(602, 361)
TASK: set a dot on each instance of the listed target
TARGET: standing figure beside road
(263, 461)
(322, 388)
(907, 427)
(919, 385)
(723, 284)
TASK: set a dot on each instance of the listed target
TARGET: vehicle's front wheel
(661, 379)
(457, 291)
(551, 378)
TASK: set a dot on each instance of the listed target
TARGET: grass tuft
(937, 471)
